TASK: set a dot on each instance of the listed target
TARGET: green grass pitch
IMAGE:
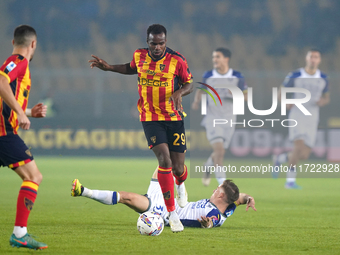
(303, 221)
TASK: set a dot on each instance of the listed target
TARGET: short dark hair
(231, 191)
(23, 34)
(226, 52)
(314, 50)
(155, 29)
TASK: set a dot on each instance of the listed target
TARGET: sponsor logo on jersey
(155, 83)
(10, 66)
(152, 72)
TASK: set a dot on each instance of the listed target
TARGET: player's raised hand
(176, 97)
(39, 111)
(23, 121)
(100, 63)
(206, 222)
(251, 203)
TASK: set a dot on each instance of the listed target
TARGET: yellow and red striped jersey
(16, 70)
(158, 79)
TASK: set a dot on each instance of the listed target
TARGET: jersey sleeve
(289, 80)
(216, 217)
(241, 82)
(133, 62)
(13, 67)
(205, 77)
(326, 88)
(184, 72)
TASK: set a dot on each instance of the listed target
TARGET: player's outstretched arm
(7, 95)
(103, 65)
(245, 199)
(37, 111)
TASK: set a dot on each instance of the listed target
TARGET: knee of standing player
(177, 169)
(37, 178)
(164, 161)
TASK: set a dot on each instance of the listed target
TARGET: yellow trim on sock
(30, 184)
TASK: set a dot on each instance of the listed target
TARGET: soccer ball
(150, 224)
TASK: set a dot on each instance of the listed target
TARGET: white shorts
(219, 133)
(156, 199)
(305, 133)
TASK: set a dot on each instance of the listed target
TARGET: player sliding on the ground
(206, 213)
(163, 79)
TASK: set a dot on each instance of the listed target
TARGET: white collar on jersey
(304, 74)
(226, 75)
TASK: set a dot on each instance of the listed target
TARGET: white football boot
(182, 195)
(175, 223)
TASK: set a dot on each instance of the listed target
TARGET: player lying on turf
(206, 213)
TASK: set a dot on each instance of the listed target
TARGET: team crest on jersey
(29, 204)
(153, 139)
(28, 152)
(162, 67)
(10, 66)
(167, 195)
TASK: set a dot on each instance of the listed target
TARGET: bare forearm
(186, 89)
(123, 69)
(243, 198)
(198, 96)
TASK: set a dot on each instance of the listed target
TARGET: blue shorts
(14, 152)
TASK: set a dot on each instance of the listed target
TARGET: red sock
(166, 181)
(26, 198)
(183, 177)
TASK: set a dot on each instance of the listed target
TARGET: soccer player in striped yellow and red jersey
(163, 79)
(15, 85)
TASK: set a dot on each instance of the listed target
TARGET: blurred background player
(219, 136)
(206, 213)
(163, 78)
(15, 85)
(304, 134)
